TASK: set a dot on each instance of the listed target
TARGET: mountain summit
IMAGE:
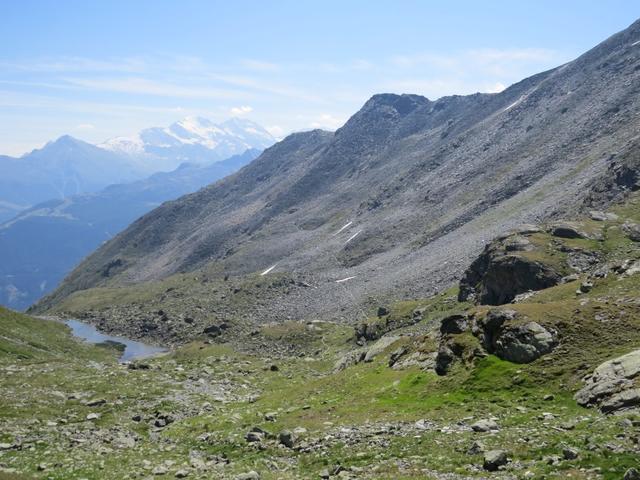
(193, 139)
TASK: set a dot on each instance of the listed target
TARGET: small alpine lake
(132, 349)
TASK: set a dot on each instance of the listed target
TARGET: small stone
(324, 474)
(160, 470)
(548, 398)
(95, 402)
(93, 416)
(182, 474)
(494, 459)
(476, 448)
(585, 287)
(270, 416)
(253, 437)
(252, 475)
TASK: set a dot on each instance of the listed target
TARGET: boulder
(349, 359)
(379, 347)
(631, 474)
(632, 230)
(397, 354)
(599, 216)
(287, 438)
(494, 459)
(503, 271)
(212, 330)
(487, 328)
(483, 426)
(252, 475)
(612, 386)
(524, 343)
(254, 437)
(444, 359)
(454, 324)
(566, 230)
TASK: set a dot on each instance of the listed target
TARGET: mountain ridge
(422, 185)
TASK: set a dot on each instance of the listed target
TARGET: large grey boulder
(613, 385)
(504, 270)
(524, 343)
(379, 347)
(632, 230)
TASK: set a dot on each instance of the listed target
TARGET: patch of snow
(514, 103)
(268, 269)
(353, 236)
(346, 279)
(346, 226)
(128, 145)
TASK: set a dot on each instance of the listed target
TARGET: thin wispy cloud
(168, 87)
(143, 86)
(243, 110)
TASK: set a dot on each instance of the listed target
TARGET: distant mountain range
(64, 167)
(42, 244)
(68, 166)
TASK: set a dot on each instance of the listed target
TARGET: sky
(97, 70)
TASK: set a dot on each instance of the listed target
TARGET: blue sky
(101, 69)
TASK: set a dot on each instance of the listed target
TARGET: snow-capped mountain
(193, 140)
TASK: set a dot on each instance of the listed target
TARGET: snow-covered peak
(127, 145)
(193, 139)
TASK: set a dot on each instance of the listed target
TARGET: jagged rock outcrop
(502, 332)
(614, 385)
(504, 270)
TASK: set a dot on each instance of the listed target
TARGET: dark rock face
(454, 324)
(500, 273)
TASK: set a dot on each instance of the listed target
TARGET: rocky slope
(399, 200)
(431, 388)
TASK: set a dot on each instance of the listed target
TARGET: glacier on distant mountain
(193, 140)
